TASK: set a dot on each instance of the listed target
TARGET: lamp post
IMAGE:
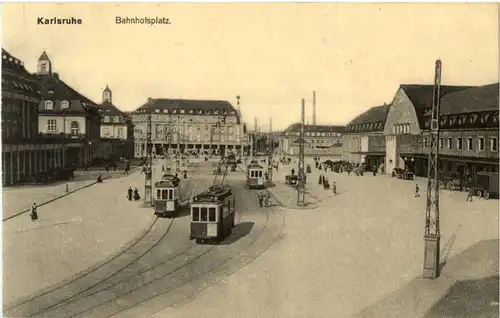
(148, 183)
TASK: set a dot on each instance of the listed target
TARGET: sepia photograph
(244, 160)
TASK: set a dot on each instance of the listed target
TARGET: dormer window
(165, 111)
(64, 104)
(157, 110)
(106, 119)
(116, 119)
(495, 118)
(484, 118)
(452, 120)
(174, 111)
(49, 105)
(473, 118)
(182, 111)
(216, 112)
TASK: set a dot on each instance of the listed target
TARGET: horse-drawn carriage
(403, 174)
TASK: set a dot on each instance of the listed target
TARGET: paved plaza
(356, 254)
(72, 233)
(360, 254)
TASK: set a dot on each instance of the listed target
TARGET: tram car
(212, 215)
(256, 176)
(167, 196)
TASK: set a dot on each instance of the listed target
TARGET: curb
(54, 199)
(136, 239)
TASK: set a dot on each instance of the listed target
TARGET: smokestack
(314, 108)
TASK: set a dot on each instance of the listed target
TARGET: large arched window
(75, 129)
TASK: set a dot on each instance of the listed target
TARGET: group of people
(133, 194)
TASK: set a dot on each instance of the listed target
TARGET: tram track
(109, 297)
(105, 301)
(60, 291)
(133, 285)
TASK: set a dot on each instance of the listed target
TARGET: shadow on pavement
(449, 295)
(468, 298)
(240, 230)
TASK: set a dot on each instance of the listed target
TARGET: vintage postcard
(250, 160)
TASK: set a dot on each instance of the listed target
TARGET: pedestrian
(99, 178)
(34, 213)
(67, 188)
(293, 171)
(137, 197)
(334, 188)
(106, 167)
(261, 198)
(417, 191)
(127, 168)
(130, 192)
(470, 194)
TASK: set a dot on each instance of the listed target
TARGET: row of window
(49, 105)
(465, 119)
(480, 145)
(165, 194)
(256, 173)
(367, 126)
(315, 134)
(190, 111)
(200, 214)
(401, 129)
(107, 119)
(106, 132)
(74, 127)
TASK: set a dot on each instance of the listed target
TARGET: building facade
(195, 126)
(319, 140)
(363, 140)
(68, 116)
(116, 127)
(468, 121)
(24, 153)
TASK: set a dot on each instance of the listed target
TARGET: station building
(182, 125)
(468, 120)
(363, 140)
(69, 117)
(319, 140)
(24, 152)
(116, 127)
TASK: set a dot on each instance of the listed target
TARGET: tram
(212, 215)
(256, 176)
(167, 198)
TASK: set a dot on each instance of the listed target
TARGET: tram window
(158, 194)
(164, 194)
(203, 214)
(196, 214)
(252, 174)
(260, 174)
(170, 194)
(211, 215)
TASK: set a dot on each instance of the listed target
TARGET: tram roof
(213, 195)
(255, 166)
(166, 184)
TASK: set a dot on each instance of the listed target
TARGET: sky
(354, 56)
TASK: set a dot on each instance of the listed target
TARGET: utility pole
(314, 108)
(270, 152)
(240, 123)
(301, 187)
(148, 171)
(432, 235)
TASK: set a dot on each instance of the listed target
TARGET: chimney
(314, 108)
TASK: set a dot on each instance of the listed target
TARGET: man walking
(417, 191)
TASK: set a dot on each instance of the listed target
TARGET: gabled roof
(298, 140)
(15, 77)
(108, 109)
(476, 99)
(421, 96)
(205, 107)
(373, 115)
(314, 128)
(56, 90)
